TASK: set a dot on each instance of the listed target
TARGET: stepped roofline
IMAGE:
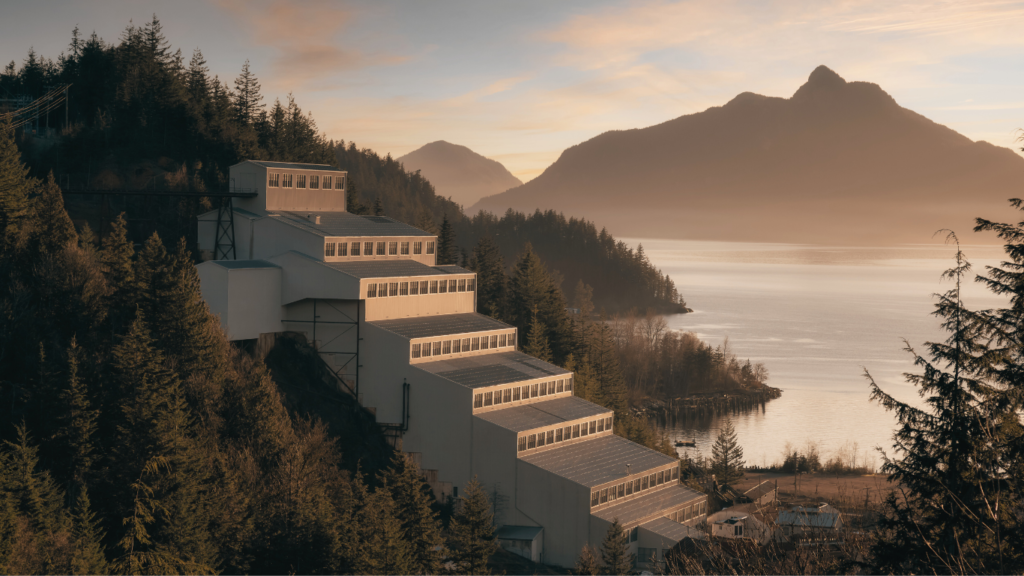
(492, 369)
(547, 413)
(599, 461)
(389, 269)
(346, 224)
(289, 165)
(648, 506)
(443, 325)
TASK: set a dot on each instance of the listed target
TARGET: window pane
(540, 440)
(643, 483)
(414, 288)
(476, 343)
(451, 285)
(533, 391)
(368, 249)
(543, 386)
(576, 431)
(446, 347)
(417, 247)
(380, 248)
(501, 340)
(531, 441)
(593, 426)
(507, 393)
(405, 248)
(595, 497)
(392, 248)
(327, 183)
(478, 401)
(415, 350)
(393, 289)
(612, 494)
(433, 286)
(558, 435)
(426, 349)
(456, 344)
(497, 396)
(629, 488)
(567, 432)
(471, 285)
(403, 288)
(551, 436)
(314, 182)
(608, 423)
(636, 485)
(583, 430)
(437, 348)
(515, 394)
(339, 183)
(551, 387)
(483, 343)
(462, 285)
(465, 344)
(430, 247)
(423, 287)
(488, 398)
(600, 425)
(329, 249)
(494, 341)
(622, 490)
(300, 181)
(343, 249)
(371, 290)
(443, 286)
(355, 248)
(522, 443)
(604, 495)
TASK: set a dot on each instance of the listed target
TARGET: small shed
(525, 541)
(803, 520)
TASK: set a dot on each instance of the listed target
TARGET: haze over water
(816, 317)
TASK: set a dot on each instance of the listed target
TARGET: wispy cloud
(309, 37)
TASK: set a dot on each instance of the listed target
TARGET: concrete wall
(305, 278)
(382, 374)
(422, 257)
(415, 306)
(440, 427)
(248, 300)
(562, 507)
(494, 464)
(272, 237)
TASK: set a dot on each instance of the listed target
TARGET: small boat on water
(688, 443)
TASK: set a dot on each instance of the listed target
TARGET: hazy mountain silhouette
(838, 162)
(458, 172)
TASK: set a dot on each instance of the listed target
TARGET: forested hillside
(137, 440)
(143, 115)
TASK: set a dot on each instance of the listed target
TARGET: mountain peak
(822, 78)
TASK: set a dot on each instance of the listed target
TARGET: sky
(522, 81)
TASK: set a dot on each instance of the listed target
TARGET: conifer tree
(947, 455)
(537, 340)
(447, 251)
(420, 524)
(352, 203)
(116, 257)
(471, 531)
(491, 282)
(387, 551)
(87, 239)
(587, 564)
(15, 185)
(607, 374)
(615, 555)
(149, 270)
(727, 455)
(247, 95)
(87, 538)
(76, 419)
(531, 288)
(378, 207)
(53, 230)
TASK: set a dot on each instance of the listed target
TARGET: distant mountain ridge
(458, 172)
(837, 163)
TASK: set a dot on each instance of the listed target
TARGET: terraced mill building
(402, 334)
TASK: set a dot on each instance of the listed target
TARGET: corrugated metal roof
(385, 268)
(243, 264)
(528, 533)
(809, 519)
(492, 369)
(598, 461)
(654, 504)
(294, 166)
(347, 224)
(672, 530)
(540, 414)
(452, 269)
(445, 324)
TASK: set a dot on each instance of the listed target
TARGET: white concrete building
(403, 335)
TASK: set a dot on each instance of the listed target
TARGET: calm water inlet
(817, 317)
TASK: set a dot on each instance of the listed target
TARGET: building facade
(402, 334)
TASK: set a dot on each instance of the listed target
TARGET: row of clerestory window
(554, 436)
(311, 181)
(634, 486)
(420, 288)
(386, 248)
(460, 345)
(520, 393)
(687, 513)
